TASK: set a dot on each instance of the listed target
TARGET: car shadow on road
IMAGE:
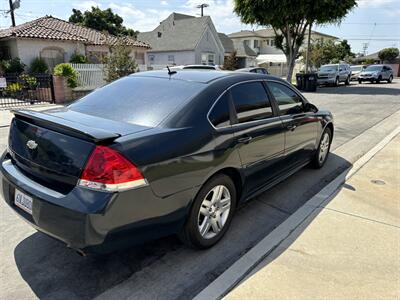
(165, 269)
(361, 89)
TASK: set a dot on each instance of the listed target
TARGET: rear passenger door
(301, 127)
(258, 132)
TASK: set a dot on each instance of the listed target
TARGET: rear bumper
(95, 221)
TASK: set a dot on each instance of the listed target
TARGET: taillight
(108, 170)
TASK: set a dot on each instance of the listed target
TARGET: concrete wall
(28, 49)
(180, 58)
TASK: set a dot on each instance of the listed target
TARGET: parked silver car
(376, 73)
(333, 74)
(356, 70)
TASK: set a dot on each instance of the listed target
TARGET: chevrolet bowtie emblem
(31, 144)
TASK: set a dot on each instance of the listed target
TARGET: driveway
(34, 265)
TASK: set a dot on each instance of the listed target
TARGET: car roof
(201, 76)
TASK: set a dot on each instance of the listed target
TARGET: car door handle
(291, 127)
(244, 140)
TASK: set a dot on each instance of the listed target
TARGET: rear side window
(251, 102)
(138, 100)
(288, 100)
(219, 115)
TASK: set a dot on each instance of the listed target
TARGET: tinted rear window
(139, 100)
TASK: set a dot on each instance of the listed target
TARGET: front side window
(251, 102)
(288, 100)
(219, 115)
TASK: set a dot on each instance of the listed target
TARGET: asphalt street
(34, 265)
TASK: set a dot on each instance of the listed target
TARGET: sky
(375, 23)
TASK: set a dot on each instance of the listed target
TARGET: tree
(290, 19)
(119, 63)
(388, 54)
(102, 20)
(231, 62)
(328, 52)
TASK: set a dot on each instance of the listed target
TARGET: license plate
(23, 201)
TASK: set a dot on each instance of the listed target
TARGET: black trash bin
(300, 82)
(310, 82)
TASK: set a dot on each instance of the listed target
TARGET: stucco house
(262, 42)
(181, 40)
(245, 55)
(55, 40)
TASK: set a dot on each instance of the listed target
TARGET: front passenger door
(301, 127)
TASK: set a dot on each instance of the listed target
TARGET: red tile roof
(52, 28)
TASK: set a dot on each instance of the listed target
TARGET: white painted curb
(243, 266)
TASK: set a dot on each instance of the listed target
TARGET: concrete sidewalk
(6, 114)
(348, 248)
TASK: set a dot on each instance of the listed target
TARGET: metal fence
(90, 76)
(24, 89)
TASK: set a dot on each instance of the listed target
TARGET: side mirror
(310, 107)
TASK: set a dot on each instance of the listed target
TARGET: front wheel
(390, 79)
(211, 213)
(347, 82)
(336, 81)
(359, 82)
(322, 153)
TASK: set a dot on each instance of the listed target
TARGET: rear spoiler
(64, 126)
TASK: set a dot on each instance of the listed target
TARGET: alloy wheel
(214, 211)
(324, 147)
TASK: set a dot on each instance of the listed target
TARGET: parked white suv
(333, 74)
(376, 73)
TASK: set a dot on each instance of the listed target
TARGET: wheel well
(330, 126)
(233, 174)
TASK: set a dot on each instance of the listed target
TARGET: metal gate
(24, 89)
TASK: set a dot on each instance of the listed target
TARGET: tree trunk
(290, 61)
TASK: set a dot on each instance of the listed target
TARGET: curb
(243, 266)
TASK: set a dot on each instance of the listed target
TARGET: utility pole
(201, 6)
(13, 6)
(308, 48)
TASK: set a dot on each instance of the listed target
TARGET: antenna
(171, 72)
(202, 6)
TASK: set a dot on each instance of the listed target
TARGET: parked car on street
(376, 73)
(356, 70)
(258, 70)
(158, 153)
(195, 67)
(333, 74)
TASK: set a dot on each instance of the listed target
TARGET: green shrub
(14, 87)
(38, 65)
(77, 58)
(68, 72)
(12, 66)
(30, 81)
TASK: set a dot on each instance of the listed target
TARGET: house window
(52, 56)
(207, 59)
(256, 44)
(171, 59)
(159, 34)
(5, 52)
(267, 42)
(96, 57)
(272, 43)
(247, 42)
(139, 57)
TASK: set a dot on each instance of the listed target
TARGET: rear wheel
(347, 82)
(379, 79)
(322, 153)
(211, 213)
(390, 79)
(359, 81)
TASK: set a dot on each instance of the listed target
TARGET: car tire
(347, 82)
(336, 81)
(360, 81)
(379, 79)
(390, 79)
(322, 153)
(213, 218)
